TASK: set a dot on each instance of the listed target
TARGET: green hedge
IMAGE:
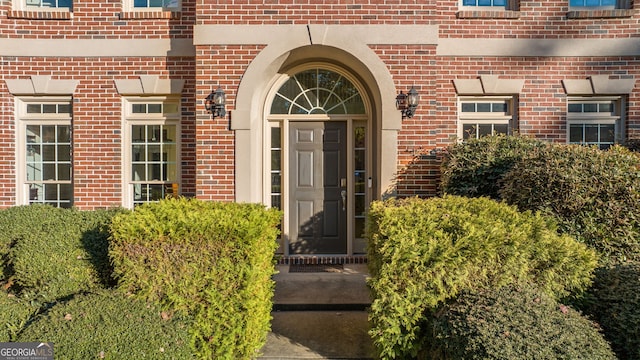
(594, 194)
(513, 322)
(475, 167)
(109, 325)
(14, 315)
(213, 261)
(54, 253)
(423, 252)
(614, 302)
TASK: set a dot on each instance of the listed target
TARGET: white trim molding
(488, 85)
(149, 85)
(598, 85)
(41, 85)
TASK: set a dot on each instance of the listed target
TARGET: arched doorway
(317, 168)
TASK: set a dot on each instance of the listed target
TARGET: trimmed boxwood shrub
(17, 222)
(109, 325)
(594, 194)
(14, 315)
(51, 253)
(211, 260)
(614, 301)
(423, 252)
(475, 167)
(513, 322)
(57, 252)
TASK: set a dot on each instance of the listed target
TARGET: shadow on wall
(420, 176)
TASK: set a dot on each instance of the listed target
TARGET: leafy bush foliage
(423, 252)
(475, 167)
(108, 325)
(54, 253)
(213, 261)
(14, 315)
(614, 301)
(513, 322)
(594, 194)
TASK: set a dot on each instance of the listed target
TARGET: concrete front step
(318, 335)
(320, 315)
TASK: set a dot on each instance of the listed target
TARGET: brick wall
(209, 145)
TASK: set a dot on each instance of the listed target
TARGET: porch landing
(320, 315)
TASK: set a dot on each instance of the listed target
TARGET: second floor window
(599, 4)
(48, 4)
(156, 4)
(502, 3)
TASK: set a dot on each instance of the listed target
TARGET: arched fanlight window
(317, 91)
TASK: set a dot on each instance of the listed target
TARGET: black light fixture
(215, 102)
(407, 103)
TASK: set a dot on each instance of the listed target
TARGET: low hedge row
(212, 261)
(51, 253)
(108, 325)
(424, 252)
(594, 194)
(512, 322)
(199, 274)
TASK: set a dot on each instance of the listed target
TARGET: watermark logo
(26, 351)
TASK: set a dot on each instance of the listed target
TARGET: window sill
(596, 14)
(484, 14)
(143, 15)
(40, 15)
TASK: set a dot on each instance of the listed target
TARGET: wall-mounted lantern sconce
(407, 103)
(215, 102)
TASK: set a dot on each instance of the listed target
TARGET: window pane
(499, 107)
(607, 133)
(576, 3)
(34, 109)
(574, 108)
(64, 3)
(484, 2)
(49, 109)
(468, 107)
(64, 135)
(49, 153)
(484, 107)
(501, 129)
(64, 153)
(155, 108)
(275, 137)
(591, 133)
(575, 134)
(469, 131)
(139, 108)
(592, 2)
(64, 172)
(606, 108)
(469, 2)
(590, 108)
(276, 159)
(360, 185)
(485, 129)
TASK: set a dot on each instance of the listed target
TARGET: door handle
(343, 193)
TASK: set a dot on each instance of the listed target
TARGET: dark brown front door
(318, 166)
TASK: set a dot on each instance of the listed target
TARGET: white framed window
(43, 5)
(483, 116)
(597, 4)
(152, 149)
(146, 5)
(489, 4)
(44, 151)
(595, 121)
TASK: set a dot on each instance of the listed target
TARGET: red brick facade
(208, 146)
